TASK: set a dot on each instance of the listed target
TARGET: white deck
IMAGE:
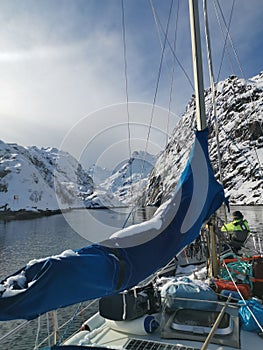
(112, 339)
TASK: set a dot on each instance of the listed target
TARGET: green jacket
(238, 231)
(235, 225)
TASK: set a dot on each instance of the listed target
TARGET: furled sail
(127, 257)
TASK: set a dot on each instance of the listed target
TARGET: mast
(197, 65)
(200, 112)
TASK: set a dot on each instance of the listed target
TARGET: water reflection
(97, 225)
(23, 240)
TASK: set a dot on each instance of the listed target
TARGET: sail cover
(127, 257)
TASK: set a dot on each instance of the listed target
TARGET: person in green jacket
(237, 231)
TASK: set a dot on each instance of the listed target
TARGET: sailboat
(136, 315)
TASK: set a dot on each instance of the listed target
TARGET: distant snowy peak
(125, 184)
(46, 179)
(240, 118)
(140, 164)
(34, 179)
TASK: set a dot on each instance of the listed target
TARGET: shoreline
(24, 214)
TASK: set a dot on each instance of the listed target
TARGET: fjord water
(24, 240)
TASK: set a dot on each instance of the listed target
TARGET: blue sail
(126, 258)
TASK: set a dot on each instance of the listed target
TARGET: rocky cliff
(239, 105)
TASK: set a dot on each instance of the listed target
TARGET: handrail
(14, 330)
(25, 323)
(68, 321)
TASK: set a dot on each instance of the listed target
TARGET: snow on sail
(126, 258)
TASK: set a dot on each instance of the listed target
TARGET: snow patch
(65, 254)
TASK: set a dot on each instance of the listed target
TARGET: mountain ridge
(29, 176)
(46, 180)
(240, 124)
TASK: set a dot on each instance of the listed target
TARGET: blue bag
(187, 289)
(247, 321)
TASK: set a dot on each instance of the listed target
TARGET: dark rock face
(240, 125)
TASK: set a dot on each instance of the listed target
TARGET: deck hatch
(191, 320)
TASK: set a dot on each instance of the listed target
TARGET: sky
(62, 67)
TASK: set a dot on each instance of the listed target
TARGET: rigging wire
(174, 58)
(165, 171)
(159, 27)
(163, 47)
(228, 36)
(172, 73)
(126, 92)
(158, 80)
(243, 75)
(213, 93)
(225, 37)
(159, 71)
(231, 41)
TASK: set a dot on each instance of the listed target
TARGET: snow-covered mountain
(45, 179)
(126, 183)
(49, 180)
(33, 179)
(240, 120)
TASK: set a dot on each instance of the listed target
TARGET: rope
(65, 333)
(244, 301)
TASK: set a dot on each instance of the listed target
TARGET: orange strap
(253, 279)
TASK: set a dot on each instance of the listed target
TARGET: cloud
(103, 137)
(62, 60)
